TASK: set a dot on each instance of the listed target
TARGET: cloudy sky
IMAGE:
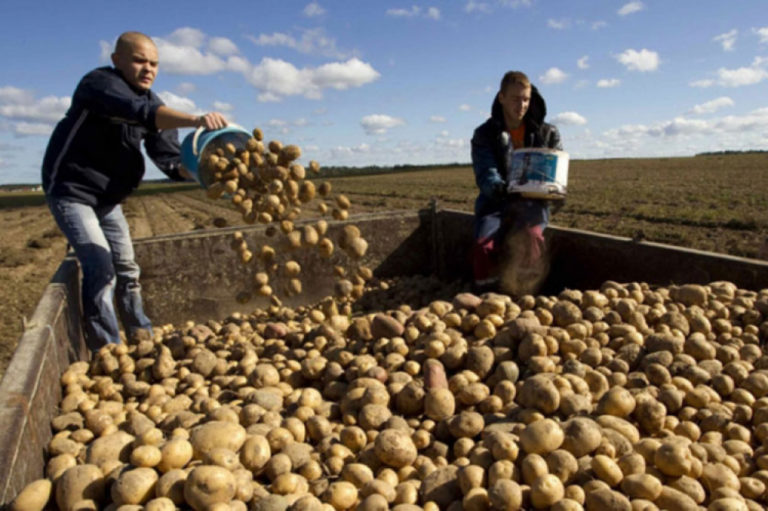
(374, 82)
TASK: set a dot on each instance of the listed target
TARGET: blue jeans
(102, 244)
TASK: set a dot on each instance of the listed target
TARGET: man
(93, 162)
(517, 121)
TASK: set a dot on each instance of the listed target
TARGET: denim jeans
(102, 243)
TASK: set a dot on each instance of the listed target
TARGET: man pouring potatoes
(517, 121)
(93, 161)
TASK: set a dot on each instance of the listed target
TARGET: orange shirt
(518, 136)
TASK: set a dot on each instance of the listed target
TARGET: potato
(207, 485)
(135, 486)
(215, 434)
(33, 497)
(546, 490)
(541, 437)
(395, 448)
(505, 494)
(341, 495)
(82, 482)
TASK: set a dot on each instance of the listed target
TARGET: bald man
(94, 161)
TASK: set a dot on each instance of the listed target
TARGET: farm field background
(716, 203)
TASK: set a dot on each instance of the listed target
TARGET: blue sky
(373, 82)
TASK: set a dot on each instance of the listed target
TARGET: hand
(211, 121)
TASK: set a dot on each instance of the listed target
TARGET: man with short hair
(517, 121)
(94, 161)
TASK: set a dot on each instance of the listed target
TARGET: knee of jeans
(127, 270)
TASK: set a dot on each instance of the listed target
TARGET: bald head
(128, 40)
(135, 57)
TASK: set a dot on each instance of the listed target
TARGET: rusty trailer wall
(30, 389)
(196, 276)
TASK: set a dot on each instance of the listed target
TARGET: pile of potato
(624, 398)
(266, 184)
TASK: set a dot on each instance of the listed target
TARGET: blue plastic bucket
(194, 144)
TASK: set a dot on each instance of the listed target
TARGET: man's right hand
(212, 121)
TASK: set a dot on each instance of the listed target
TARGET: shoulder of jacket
(489, 129)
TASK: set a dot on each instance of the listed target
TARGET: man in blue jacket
(517, 121)
(93, 162)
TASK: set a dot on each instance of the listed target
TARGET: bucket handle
(199, 130)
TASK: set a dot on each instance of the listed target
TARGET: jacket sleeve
(105, 93)
(553, 138)
(487, 175)
(164, 150)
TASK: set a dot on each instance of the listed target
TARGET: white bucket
(538, 173)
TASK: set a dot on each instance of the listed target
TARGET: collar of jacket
(534, 117)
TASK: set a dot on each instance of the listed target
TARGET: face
(515, 99)
(138, 64)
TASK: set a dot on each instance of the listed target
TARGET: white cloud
(643, 60)
(32, 128)
(607, 83)
(311, 42)
(560, 24)
(727, 40)
(16, 103)
(343, 75)
(465, 108)
(221, 106)
(185, 88)
(451, 143)
(741, 76)
(437, 119)
(312, 10)
(712, 106)
(702, 83)
(222, 46)
(180, 103)
(105, 51)
(762, 33)
(415, 11)
(515, 3)
(485, 7)
(583, 63)
(553, 75)
(631, 8)
(404, 13)
(187, 36)
(597, 25)
(9, 94)
(753, 122)
(377, 124)
(472, 6)
(569, 119)
(346, 151)
(180, 54)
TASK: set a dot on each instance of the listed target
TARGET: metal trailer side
(193, 276)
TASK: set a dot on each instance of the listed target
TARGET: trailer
(193, 276)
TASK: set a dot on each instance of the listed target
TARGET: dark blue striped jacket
(94, 154)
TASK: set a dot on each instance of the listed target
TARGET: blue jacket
(94, 154)
(492, 151)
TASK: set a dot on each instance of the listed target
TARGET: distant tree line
(732, 151)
